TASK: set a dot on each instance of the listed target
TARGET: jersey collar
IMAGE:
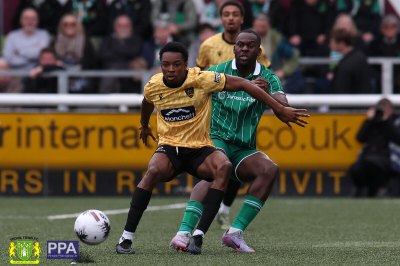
(257, 69)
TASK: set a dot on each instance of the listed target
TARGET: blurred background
(72, 74)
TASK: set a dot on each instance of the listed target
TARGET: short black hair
(232, 3)
(252, 32)
(175, 47)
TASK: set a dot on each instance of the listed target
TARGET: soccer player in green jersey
(234, 120)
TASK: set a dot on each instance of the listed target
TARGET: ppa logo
(62, 249)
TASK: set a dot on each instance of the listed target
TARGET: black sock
(140, 200)
(211, 205)
(231, 192)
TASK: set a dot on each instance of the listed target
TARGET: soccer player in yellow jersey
(182, 98)
(219, 48)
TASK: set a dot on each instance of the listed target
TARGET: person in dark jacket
(117, 52)
(48, 62)
(352, 74)
(372, 168)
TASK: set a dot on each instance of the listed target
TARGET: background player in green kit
(234, 120)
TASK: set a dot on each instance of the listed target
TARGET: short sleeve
(211, 81)
(146, 91)
(274, 83)
(202, 59)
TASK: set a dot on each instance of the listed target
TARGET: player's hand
(146, 132)
(292, 115)
(262, 83)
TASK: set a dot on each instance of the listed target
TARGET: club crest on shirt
(189, 92)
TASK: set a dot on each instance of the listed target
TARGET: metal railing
(123, 101)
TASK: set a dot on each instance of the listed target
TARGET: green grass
(288, 231)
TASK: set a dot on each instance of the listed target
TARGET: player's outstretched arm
(284, 113)
(145, 113)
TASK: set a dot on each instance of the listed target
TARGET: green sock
(250, 208)
(192, 215)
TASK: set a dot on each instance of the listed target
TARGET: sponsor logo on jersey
(178, 114)
(221, 95)
(189, 92)
(217, 78)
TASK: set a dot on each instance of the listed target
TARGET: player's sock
(211, 204)
(126, 235)
(230, 195)
(224, 209)
(250, 208)
(191, 217)
(140, 200)
(198, 232)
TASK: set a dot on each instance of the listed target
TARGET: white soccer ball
(92, 227)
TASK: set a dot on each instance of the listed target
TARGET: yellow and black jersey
(215, 50)
(183, 113)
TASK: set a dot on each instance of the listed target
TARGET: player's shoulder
(155, 81)
(212, 40)
(221, 67)
(265, 72)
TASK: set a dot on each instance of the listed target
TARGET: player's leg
(191, 216)
(230, 195)
(261, 171)
(159, 167)
(217, 167)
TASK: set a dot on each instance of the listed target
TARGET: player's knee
(224, 169)
(270, 171)
(151, 178)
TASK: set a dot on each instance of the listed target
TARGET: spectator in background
(49, 11)
(308, 24)
(387, 44)
(75, 50)
(284, 57)
(352, 74)
(139, 11)
(151, 49)
(22, 47)
(366, 15)
(116, 52)
(278, 11)
(372, 168)
(180, 15)
(7, 83)
(205, 32)
(91, 13)
(211, 15)
(47, 62)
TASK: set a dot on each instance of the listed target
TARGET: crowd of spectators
(127, 34)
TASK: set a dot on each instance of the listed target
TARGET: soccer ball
(92, 227)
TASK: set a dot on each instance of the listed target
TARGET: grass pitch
(288, 231)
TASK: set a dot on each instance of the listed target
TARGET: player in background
(182, 98)
(234, 120)
(216, 50)
(219, 48)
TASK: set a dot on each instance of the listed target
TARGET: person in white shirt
(22, 46)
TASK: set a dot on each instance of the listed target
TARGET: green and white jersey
(235, 115)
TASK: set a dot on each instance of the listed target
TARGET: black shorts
(186, 159)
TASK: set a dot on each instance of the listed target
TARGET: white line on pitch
(359, 244)
(121, 211)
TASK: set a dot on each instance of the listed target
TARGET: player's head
(173, 60)
(232, 15)
(247, 47)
